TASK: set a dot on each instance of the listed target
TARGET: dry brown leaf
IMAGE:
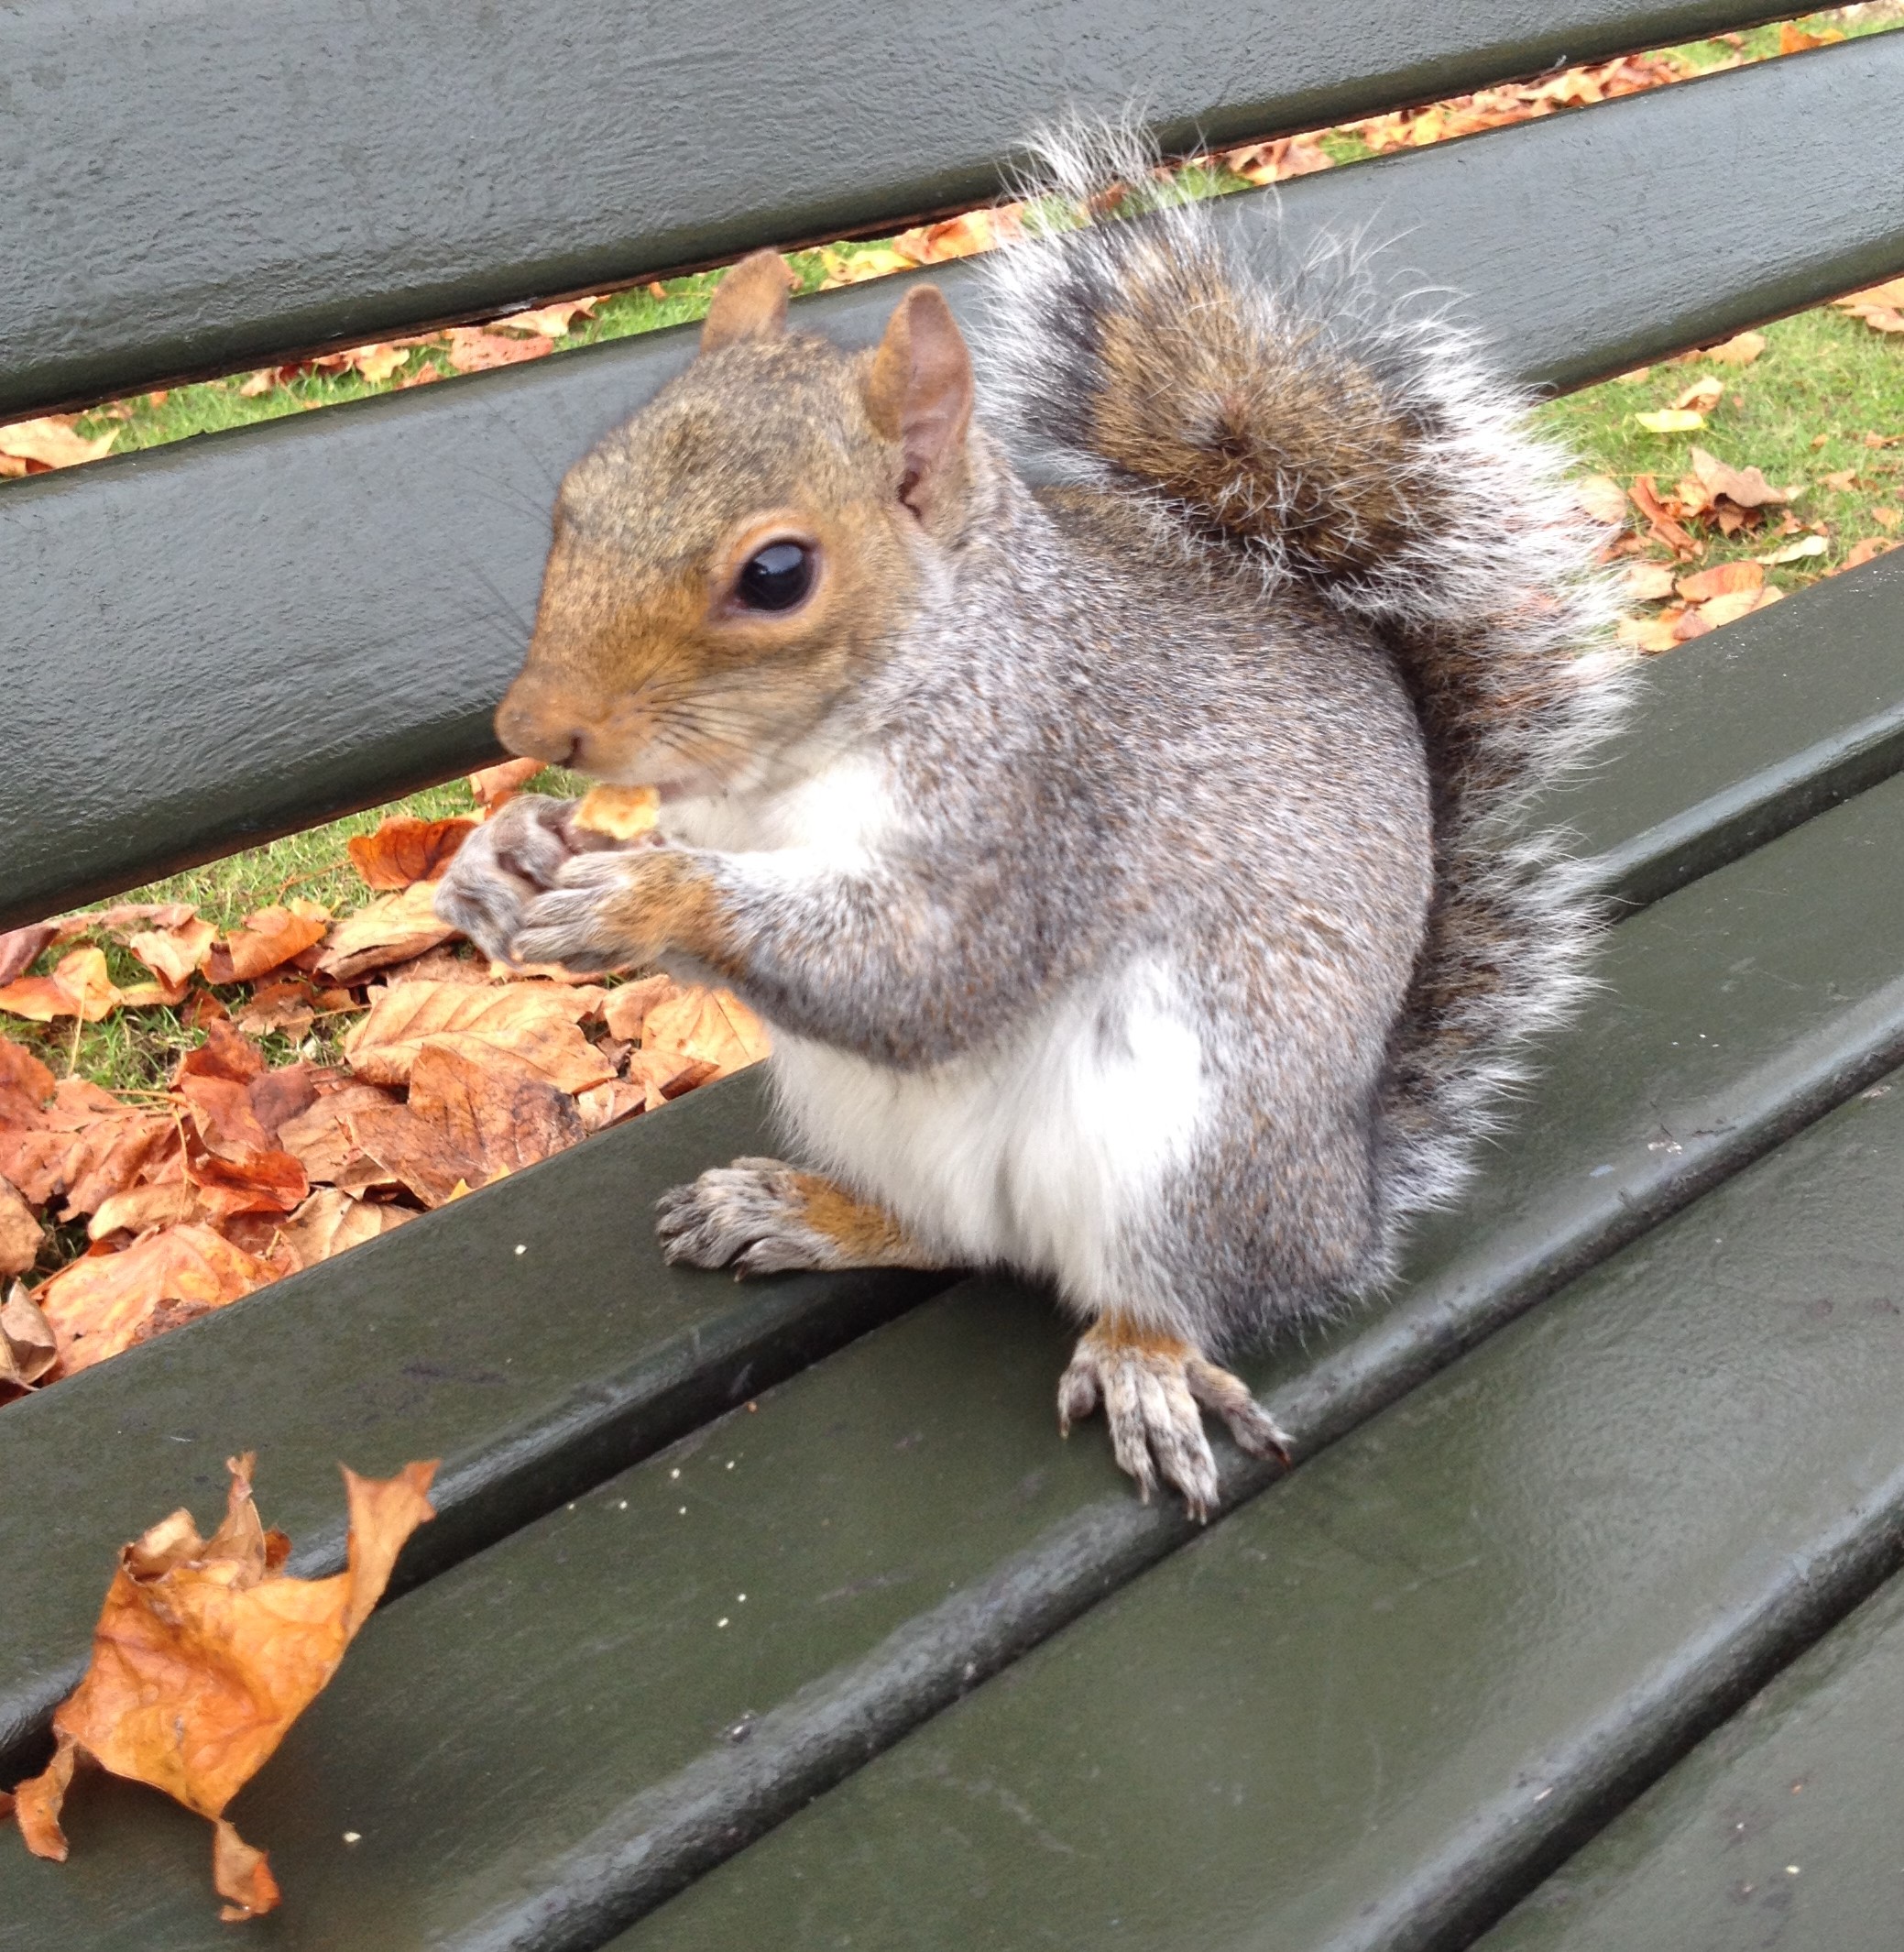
(268, 940)
(20, 948)
(52, 442)
(1648, 634)
(1702, 395)
(495, 785)
(1794, 39)
(1731, 604)
(1649, 582)
(102, 1304)
(1660, 522)
(536, 1022)
(1603, 498)
(79, 986)
(376, 362)
(27, 1345)
(1722, 579)
(287, 1005)
(1888, 518)
(474, 349)
(1740, 351)
(175, 953)
(141, 1207)
(547, 321)
(1746, 486)
(711, 1024)
(205, 1654)
(22, 1237)
(473, 1117)
(115, 1153)
(319, 1139)
(403, 850)
(331, 1221)
(394, 929)
(1867, 550)
(1841, 482)
(624, 1008)
(625, 812)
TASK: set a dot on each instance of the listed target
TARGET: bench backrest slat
(235, 637)
(197, 190)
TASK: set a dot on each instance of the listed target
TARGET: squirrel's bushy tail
(1358, 446)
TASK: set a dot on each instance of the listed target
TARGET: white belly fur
(1041, 1154)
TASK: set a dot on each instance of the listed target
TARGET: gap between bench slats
(281, 177)
(252, 632)
(1366, 1712)
(904, 1520)
(1781, 1829)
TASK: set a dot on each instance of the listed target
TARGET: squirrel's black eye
(775, 577)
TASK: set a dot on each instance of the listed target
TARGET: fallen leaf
(1794, 39)
(1867, 550)
(1660, 523)
(1671, 419)
(1740, 351)
(855, 267)
(319, 1137)
(1722, 579)
(21, 1235)
(382, 932)
(624, 1008)
(175, 953)
(287, 1006)
(1701, 396)
(1806, 545)
(113, 1153)
(711, 1024)
(20, 948)
(268, 940)
(1881, 307)
(536, 1022)
(79, 986)
(204, 1655)
(1647, 582)
(495, 785)
(404, 850)
(1649, 634)
(474, 349)
(1886, 518)
(104, 1304)
(1729, 607)
(52, 442)
(625, 812)
(376, 362)
(331, 1220)
(27, 1346)
(1841, 482)
(473, 1117)
(1603, 498)
(549, 321)
(141, 1209)
(1746, 486)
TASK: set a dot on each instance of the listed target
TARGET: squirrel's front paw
(501, 868)
(1154, 1389)
(602, 914)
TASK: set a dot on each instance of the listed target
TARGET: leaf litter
(125, 1214)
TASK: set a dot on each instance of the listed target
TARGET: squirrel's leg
(759, 1216)
(1154, 1389)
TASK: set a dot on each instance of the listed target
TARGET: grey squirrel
(1130, 868)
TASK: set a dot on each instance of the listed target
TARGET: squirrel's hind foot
(1154, 1389)
(759, 1216)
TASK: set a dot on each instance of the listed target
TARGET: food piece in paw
(623, 813)
(1154, 1389)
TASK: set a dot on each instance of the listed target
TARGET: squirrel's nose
(549, 737)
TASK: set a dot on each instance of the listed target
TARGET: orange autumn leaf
(396, 930)
(1724, 579)
(79, 986)
(173, 954)
(474, 349)
(405, 850)
(105, 1303)
(268, 940)
(495, 785)
(536, 1022)
(204, 1655)
(714, 1025)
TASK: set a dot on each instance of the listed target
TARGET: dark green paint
(1777, 1834)
(543, 1725)
(530, 1375)
(199, 190)
(1364, 1710)
(250, 631)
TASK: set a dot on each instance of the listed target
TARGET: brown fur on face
(644, 668)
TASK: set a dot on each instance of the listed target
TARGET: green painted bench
(1486, 1666)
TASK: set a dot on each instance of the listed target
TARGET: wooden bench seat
(904, 1522)
(361, 579)
(1604, 1463)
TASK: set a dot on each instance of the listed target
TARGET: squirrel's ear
(749, 302)
(919, 393)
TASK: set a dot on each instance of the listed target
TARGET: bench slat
(530, 1373)
(282, 177)
(1365, 1711)
(245, 633)
(900, 1516)
(1779, 1829)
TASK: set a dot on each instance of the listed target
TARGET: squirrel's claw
(1151, 1387)
(499, 870)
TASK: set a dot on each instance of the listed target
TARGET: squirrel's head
(725, 564)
